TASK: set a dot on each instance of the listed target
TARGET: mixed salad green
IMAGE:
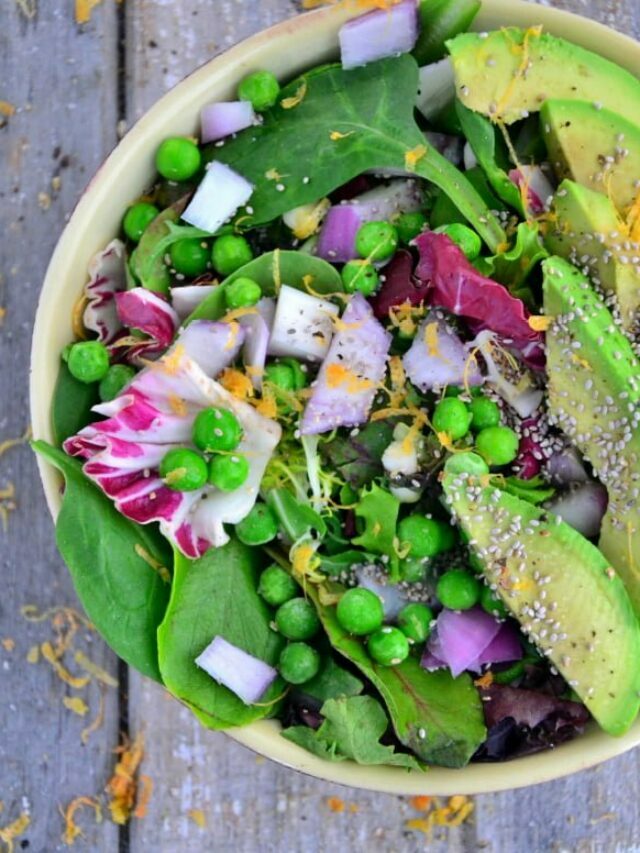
(350, 429)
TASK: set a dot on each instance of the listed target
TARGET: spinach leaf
(216, 596)
(438, 717)
(72, 402)
(270, 270)
(147, 261)
(357, 459)
(116, 565)
(346, 123)
(352, 728)
(441, 20)
(481, 135)
(512, 268)
(379, 511)
(332, 682)
(444, 212)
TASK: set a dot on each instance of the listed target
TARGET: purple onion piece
(245, 675)
(437, 357)
(257, 329)
(461, 638)
(145, 310)
(224, 118)
(392, 597)
(504, 647)
(213, 346)
(582, 508)
(565, 467)
(384, 32)
(337, 238)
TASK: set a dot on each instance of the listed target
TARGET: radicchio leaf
(399, 286)
(106, 278)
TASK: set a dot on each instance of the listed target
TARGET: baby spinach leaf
(357, 459)
(438, 717)
(441, 20)
(270, 270)
(72, 402)
(378, 509)
(346, 123)
(481, 136)
(115, 565)
(147, 261)
(332, 682)
(352, 728)
(216, 596)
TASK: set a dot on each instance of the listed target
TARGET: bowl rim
(261, 50)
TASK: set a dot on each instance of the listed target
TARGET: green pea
(360, 277)
(216, 430)
(259, 527)
(452, 417)
(458, 590)
(498, 445)
(360, 611)
(507, 676)
(484, 413)
(178, 158)
(242, 293)
(183, 470)
(376, 241)
(280, 375)
(466, 463)
(261, 88)
(276, 586)
(298, 663)
(492, 604)
(88, 361)
(464, 237)
(228, 472)
(117, 377)
(409, 225)
(189, 257)
(138, 218)
(297, 619)
(415, 622)
(230, 252)
(298, 371)
(388, 646)
(425, 537)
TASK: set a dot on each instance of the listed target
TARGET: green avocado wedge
(509, 73)
(596, 147)
(586, 228)
(562, 590)
(593, 393)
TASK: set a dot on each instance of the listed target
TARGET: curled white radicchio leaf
(107, 277)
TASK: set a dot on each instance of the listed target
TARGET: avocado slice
(593, 395)
(561, 589)
(587, 231)
(595, 147)
(509, 73)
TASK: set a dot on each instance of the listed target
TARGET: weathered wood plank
(62, 82)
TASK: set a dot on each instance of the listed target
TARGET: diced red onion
(224, 118)
(145, 310)
(392, 597)
(257, 330)
(582, 508)
(538, 187)
(302, 326)
(530, 708)
(213, 346)
(451, 147)
(460, 639)
(442, 361)
(243, 674)
(437, 88)
(337, 238)
(220, 193)
(527, 464)
(186, 299)
(384, 32)
(106, 278)
(504, 647)
(351, 373)
(565, 467)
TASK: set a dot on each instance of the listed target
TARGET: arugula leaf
(216, 595)
(513, 268)
(481, 136)
(296, 518)
(112, 563)
(332, 682)
(357, 459)
(352, 728)
(270, 270)
(147, 262)
(379, 511)
(72, 402)
(335, 564)
(535, 490)
(441, 20)
(346, 123)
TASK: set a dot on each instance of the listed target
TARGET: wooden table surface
(67, 91)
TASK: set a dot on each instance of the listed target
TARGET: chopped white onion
(257, 330)
(243, 674)
(392, 597)
(221, 192)
(302, 327)
(384, 32)
(186, 299)
(437, 88)
(224, 118)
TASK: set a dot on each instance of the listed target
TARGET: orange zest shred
(93, 669)
(485, 680)
(75, 704)
(144, 796)
(8, 644)
(83, 11)
(6, 109)
(96, 723)
(33, 655)
(267, 406)
(335, 135)
(177, 405)
(236, 383)
(71, 828)
(157, 566)
(335, 804)
(60, 670)
(274, 175)
(521, 70)
(454, 813)
(338, 374)
(172, 362)
(198, 817)
(236, 314)
(413, 157)
(8, 443)
(123, 786)
(540, 323)
(290, 103)
(11, 831)
(421, 803)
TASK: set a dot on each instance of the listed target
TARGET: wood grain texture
(61, 81)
